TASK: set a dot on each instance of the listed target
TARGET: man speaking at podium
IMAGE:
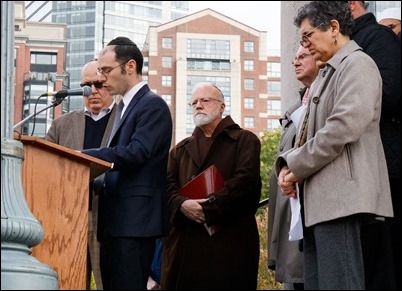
(80, 129)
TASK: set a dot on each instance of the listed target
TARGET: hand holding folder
(207, 182)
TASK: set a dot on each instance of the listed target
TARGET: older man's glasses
(97, 84)
(203, 101)
(305, 41)
(300, 58)
(106, 71)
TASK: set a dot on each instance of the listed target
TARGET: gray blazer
(69, 129)
(343, 162)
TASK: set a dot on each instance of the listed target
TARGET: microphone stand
(55, 102)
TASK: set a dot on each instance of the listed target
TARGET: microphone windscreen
(86, 91)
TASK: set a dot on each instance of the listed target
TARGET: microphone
(59, 96)
(84, 91)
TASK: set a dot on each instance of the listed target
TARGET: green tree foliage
(269, 147)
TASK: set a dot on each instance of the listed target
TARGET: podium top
(97, 166)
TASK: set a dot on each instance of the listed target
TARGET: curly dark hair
(318, 12)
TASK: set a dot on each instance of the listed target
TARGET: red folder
(207, 182)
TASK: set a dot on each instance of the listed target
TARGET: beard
(202, 118)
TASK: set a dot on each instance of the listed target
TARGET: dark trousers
(381, 250)
(125, 262)
(333, 257)
(395, 229)
(378, 256)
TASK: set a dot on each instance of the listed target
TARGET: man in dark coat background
(383, 46)
(227, 259)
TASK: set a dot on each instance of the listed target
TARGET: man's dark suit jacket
(135, 189)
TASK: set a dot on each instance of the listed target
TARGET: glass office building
(92, 24)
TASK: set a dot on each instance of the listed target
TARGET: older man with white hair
(391, 17)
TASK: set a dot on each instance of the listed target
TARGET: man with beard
(227, 259)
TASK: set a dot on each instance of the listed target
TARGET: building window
(145, 66)
(274, 88)
(211, 49)
(274, 107)
(249, 46)
(204, 65)
(249, 103)
(44, 58)
(166, 62)
(274, 70)
(272, 124)
(249, 65)
(167, 98)
(249, 122)
(167, 81)
(167, 42)
(249, 84)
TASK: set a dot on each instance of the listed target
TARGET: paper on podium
(296, 226)
(207, 182)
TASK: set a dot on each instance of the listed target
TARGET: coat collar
(226, 127)
(363, 21)
(340, 55)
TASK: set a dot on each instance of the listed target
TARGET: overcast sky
(259, 15)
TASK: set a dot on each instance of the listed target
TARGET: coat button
(315, 100)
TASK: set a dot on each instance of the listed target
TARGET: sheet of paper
(298, 114)
(296, 226)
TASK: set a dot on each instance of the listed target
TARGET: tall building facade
(209, 47)
(274, 104)
(39, 67)
(92, 24)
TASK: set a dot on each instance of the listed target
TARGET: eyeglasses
(203, 101)
(97, 84)
(106, 71)
(305, 41)
(393, 25)
(301, 58)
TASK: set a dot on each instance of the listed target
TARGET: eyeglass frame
(97, 84)
(101, 72)
(301, 58)
(203, 100)
(305, 41)
(393, 25)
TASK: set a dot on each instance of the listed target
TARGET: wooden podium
(56, 186)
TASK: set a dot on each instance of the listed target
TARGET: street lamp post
(20, 230)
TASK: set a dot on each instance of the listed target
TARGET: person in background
(284, 256)
(338, 157)
(381, 248)
(227, 259)
(391, 17)
(87, 128)
(135, 189)
(154, 279)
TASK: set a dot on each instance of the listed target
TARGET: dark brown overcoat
(227, 260)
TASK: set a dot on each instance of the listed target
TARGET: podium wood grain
(56, 181)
